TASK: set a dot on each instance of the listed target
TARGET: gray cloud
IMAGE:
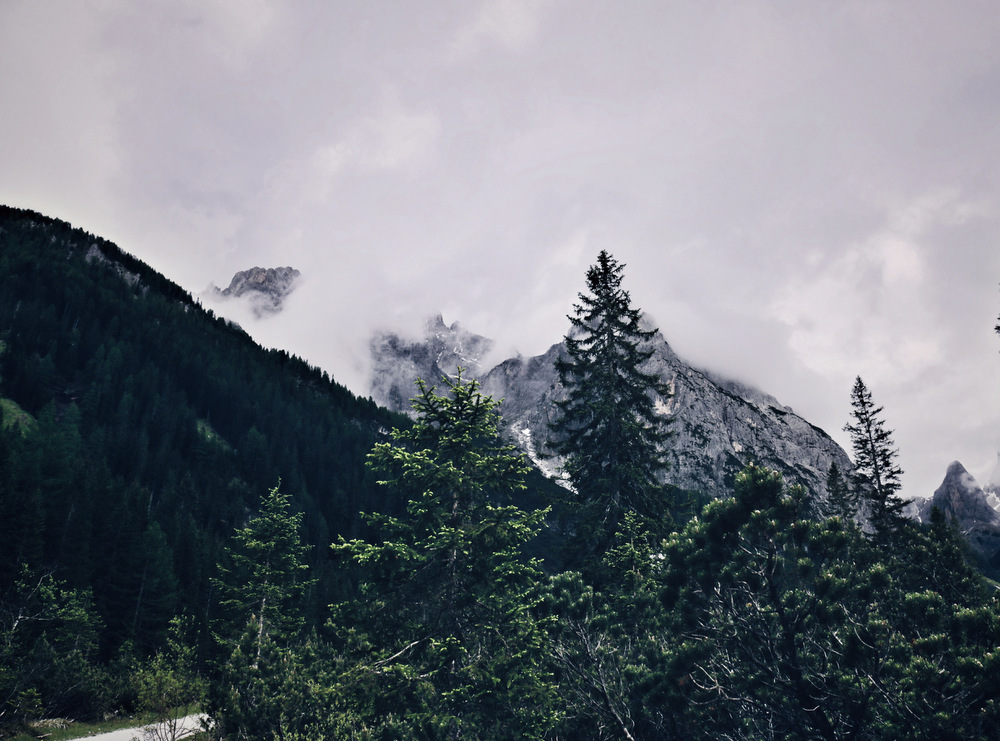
(802, 192)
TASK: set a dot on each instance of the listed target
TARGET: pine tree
(779, 626)
(261, 585)
(444, 640)
(841, 499)
(876, 471)
(609, 428)
(262, 579)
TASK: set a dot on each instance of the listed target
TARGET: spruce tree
(261, 584)
(841, 499)
(876, 471)
(609, 428)
(262, 578)
(444, 642)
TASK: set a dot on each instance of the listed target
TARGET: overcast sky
(802, 192)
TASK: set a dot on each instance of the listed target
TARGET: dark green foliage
(842, 500)
(142, 428)
(787, 627)
(262, 576)
(138, 431)
(261, 583)
(876, 471)
(603, 647)
(609, 428)
(442, 641)
(48, 646)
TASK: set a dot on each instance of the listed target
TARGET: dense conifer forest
(181, 517)
(138, 432)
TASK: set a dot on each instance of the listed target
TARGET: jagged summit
(719, 425)
(992, 487)
(963, 502)
(960, 497)
(397, 362)
(266, 288)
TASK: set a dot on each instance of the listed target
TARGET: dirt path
(187, 725)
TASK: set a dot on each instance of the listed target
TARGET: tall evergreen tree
(262, 578)
(261, 585)
(876, 470)
(444, 642)
(841, 499)
(609, 428)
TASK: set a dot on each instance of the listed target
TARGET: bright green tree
(261, 583)
(609, 426)
(876, 471)
(48, 650)
(263, 576)
(169, 685)
(442, 641)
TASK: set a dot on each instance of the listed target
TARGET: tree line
(137, 432)
(776, 613)
(153, 558)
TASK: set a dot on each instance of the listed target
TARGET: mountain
(139, 429)
(964, 503)
(992, 488)
(265, 288)
(719, 425)
(399, 362)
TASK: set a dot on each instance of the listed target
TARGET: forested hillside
(139, 431)
(149, 557)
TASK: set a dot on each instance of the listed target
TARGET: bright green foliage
(442, 641)
(785, 627)
(169, 684)
(877, 473)
(609, 428)
(263, 577)
(48, 651)
(11, 415)
(261, 585)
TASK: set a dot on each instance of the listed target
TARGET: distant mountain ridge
(266, 288)
(719, 426)
(139, 429)
(399, 362)
(971, 508)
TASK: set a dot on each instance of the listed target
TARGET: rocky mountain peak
(963, 502)
(719, 425)
(960, 497)
(398, 362)
(266, 288)
(992, 487)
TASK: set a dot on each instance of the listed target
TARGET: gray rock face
(719, 425)
(397, 363)
(266, 288)
(992, 487)
(963, 502)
